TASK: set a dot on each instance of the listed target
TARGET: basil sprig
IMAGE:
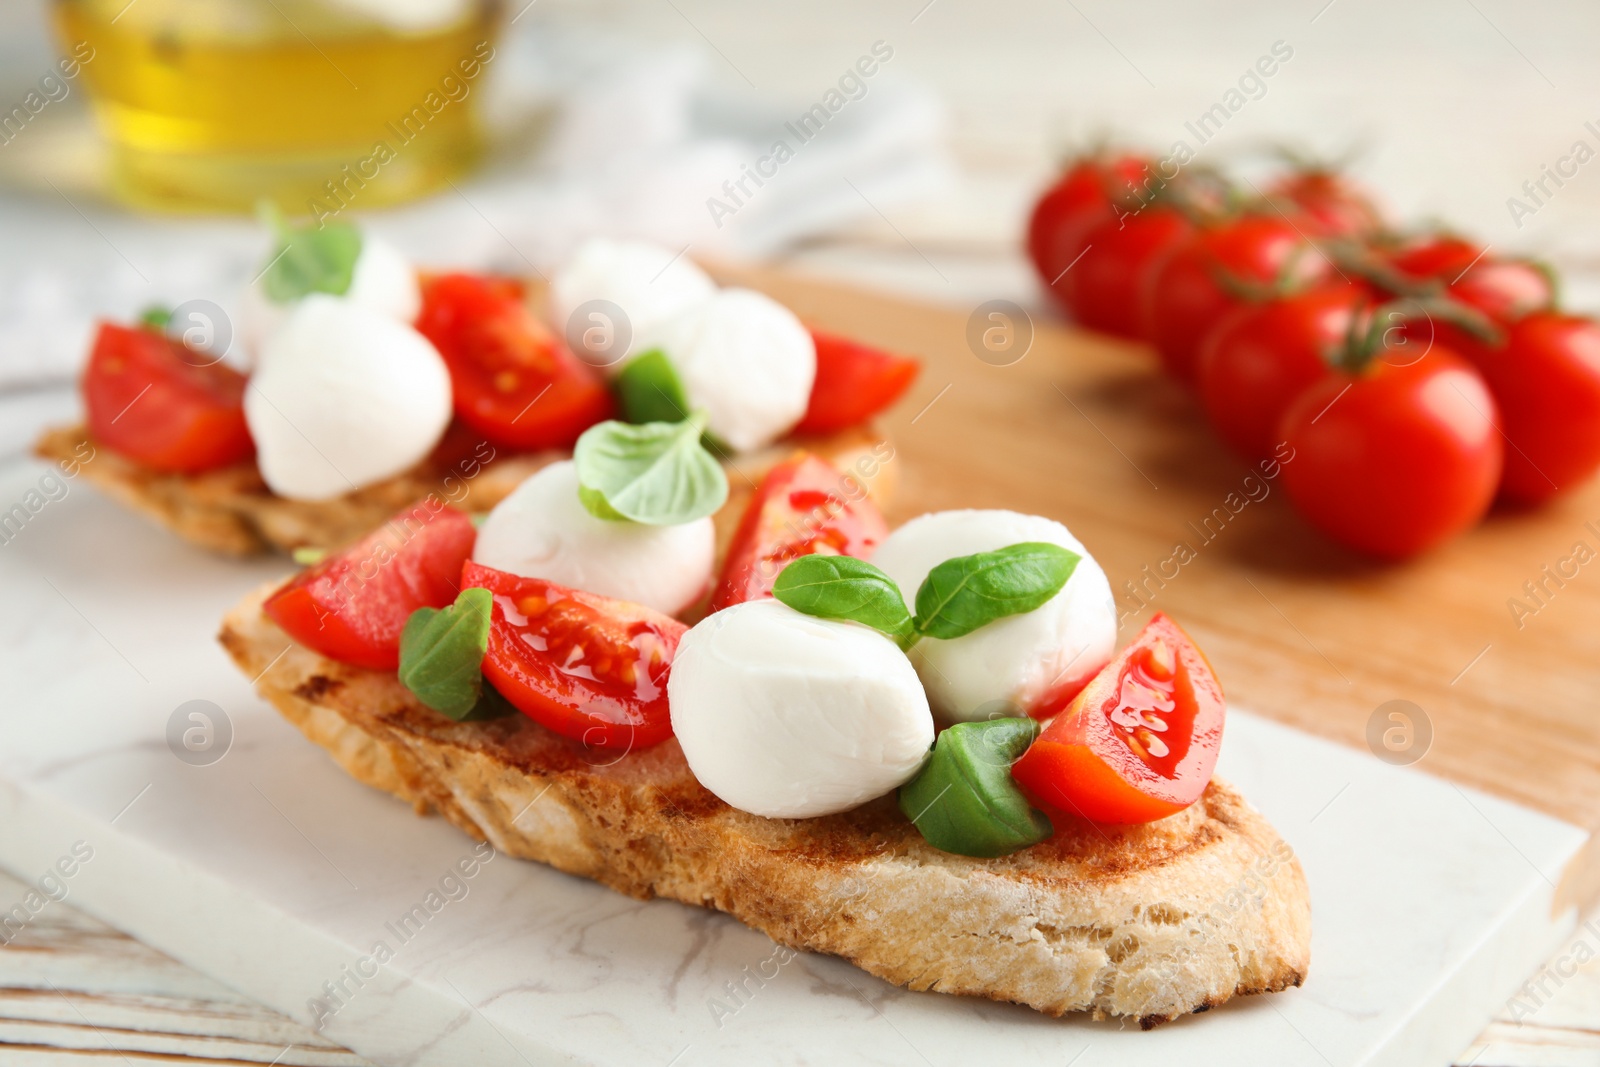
(649, 390)
(657, 473)
(964, 799)
(441, 657)
(957, 597)
(309, 260)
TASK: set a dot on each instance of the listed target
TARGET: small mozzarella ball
(748, 362)
(788, 716)
(1008, 665)
(345, 397)
(651, 285)
(542, 530)
(383, 281)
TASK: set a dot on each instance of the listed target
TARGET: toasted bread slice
(231, 510)
(1150, 921)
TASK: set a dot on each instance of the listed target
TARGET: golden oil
(217, 104)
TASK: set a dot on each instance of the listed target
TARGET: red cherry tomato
(1090, 193)
(802, 507)
(1503, 289)
(1325, 203)
(1262, 356)
(1546, 380)
(1397, 458)
(352, 606)
(1193, 288)
(514, 381)
(165, 405)
(1139, 742)
(854, 382)
(588, 667)
(1102, 291)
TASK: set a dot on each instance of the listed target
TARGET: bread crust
(232, 512)
(1149, 922)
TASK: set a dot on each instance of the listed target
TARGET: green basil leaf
(962, 594)
(658, 473)
(649, 390)
(441, 653)
(843, 587)
(155, 317)
(309, 260)
(964, 800)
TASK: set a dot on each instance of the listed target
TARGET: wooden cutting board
(1084, 429)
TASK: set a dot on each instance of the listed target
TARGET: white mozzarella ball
(748, 362)
(788, 716)
(542, 530)
(1008, 665)
(345, 397)
(650, 284)
(383, 281)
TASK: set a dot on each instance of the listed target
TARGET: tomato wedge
(158, 402)
(352, 606)
(801, 508)
(514, 381)
(1140, 742)
(586, 666)
(854, 382)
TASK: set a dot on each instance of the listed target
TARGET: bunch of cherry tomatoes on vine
(1405, 381)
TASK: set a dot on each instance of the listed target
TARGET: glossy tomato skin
(585, 666)
(159, 403)
(1103, 290)
(854, 382)
(1397, 458)
(1326, 203)
(802, 507)
(1261, 357)
(1187, 294)
(1546, 380)
(1503, 289)
(1139, 742)
(352, 606)
(514, 381)
(1089, 193)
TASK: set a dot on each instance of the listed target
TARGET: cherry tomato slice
(1139, 742)
(1397, 458)
(802, 507)
(1546, 380)
(514, 381)
(163, 404)
(1259, 359)
(1197, 284)
(854, 382)
(588, 667)
(1103, 290)
(352, 606)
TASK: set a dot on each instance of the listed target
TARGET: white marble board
(274, 872)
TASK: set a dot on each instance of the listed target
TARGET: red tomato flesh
(352, 606)
(1139, 742)
(803, 507)
(586, 666)
(514, 381)
(160, 403)
(854, 382)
